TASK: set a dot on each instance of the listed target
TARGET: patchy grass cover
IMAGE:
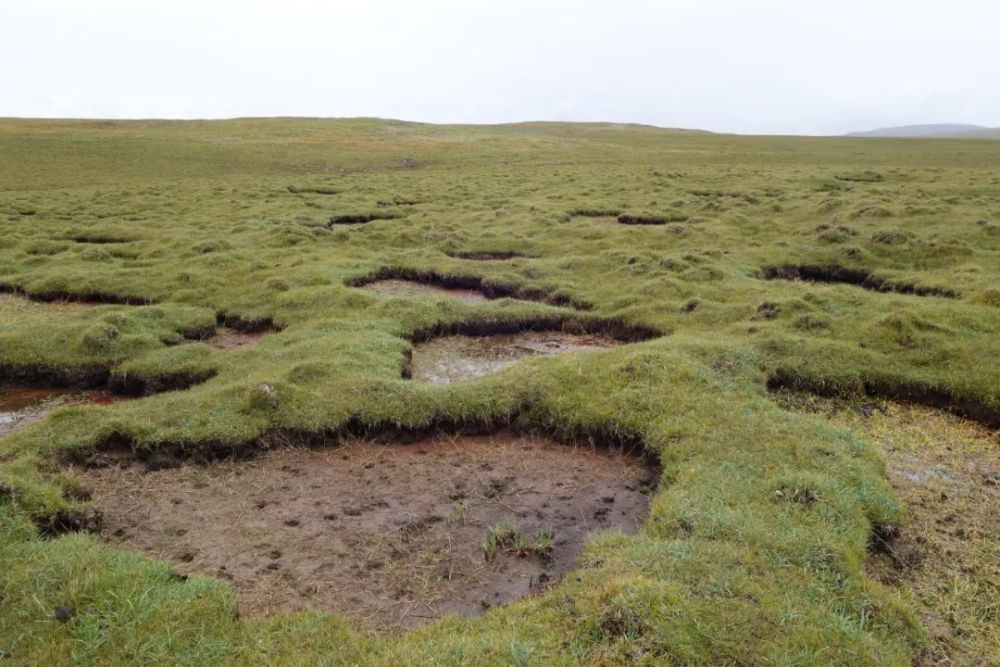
(127, 248)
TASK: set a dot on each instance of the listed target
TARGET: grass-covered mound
(754, 547)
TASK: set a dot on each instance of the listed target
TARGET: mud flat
(455, 358)
(393, 535)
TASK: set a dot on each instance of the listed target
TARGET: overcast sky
(751, 66)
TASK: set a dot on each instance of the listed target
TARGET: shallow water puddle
(20, 406)
(393, 535)
(410, 288)
(454, 358)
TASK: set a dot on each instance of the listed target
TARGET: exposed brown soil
(21, 406)
(858, 277)
(489, 289)
(230, 339)
(945, 559)
(455, 358)
(392, 535)
(420, 290)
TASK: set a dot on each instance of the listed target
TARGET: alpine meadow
(371, 392)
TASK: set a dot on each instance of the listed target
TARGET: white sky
(761, 66)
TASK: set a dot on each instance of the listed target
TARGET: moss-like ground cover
(754, 548)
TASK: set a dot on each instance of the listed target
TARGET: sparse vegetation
(754, 550)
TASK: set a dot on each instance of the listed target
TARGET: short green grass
(210, 218)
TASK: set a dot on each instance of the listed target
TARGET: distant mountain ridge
(935, 130)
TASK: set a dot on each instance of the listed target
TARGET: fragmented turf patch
(832, 273)
(393, 535)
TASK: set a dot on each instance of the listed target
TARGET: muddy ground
(946, 558)
(21, 406)
(410, 288)
(392, 535)
(230, 339)
(455, 358)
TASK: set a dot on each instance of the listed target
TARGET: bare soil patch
(393, 535)
(945, 560)
(407, 288)
(21, 406)
(231, 339)
(455, 358)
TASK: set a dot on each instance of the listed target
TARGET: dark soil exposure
(21, 406)
(465, 283)
(393, 535)
(935, 397)
(455, 358)
(142, 385)
(595, 213)
(245, 324)
(361, 218)
(98, 239)
(858, 277)
(409, 288)
(486, 255)
(625, 219)
(81, 297)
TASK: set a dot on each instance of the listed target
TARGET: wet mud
(455, 358)
(21, 406)
(407, 288)
(392, 535)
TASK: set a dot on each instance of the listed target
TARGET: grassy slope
(722, 572)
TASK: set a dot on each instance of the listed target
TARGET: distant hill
(940, 130)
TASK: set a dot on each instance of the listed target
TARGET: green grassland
(190, 222)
